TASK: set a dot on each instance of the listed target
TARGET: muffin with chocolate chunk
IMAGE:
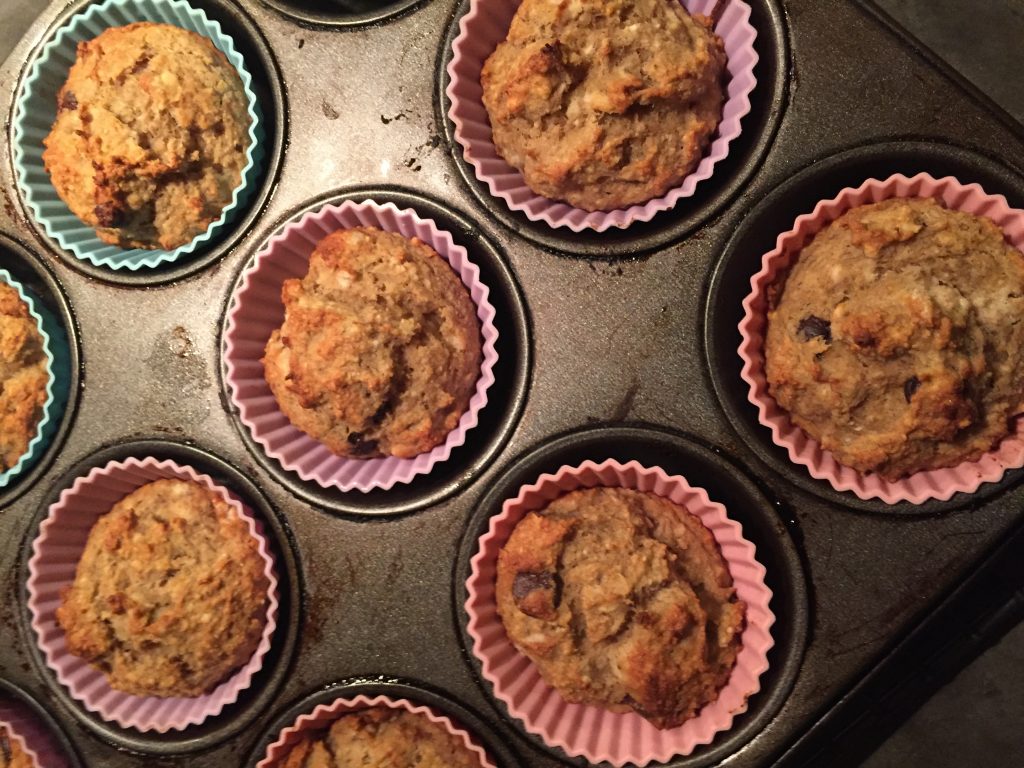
(623, 600)
(151, 135)
(380, 348)
(384, 737)
(169, 596)
(23, 377)
(895, 340)
(604, 103)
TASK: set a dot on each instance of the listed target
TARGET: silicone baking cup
(589, 731)
(938, 484)
(30, 736)
(55, 555)
(36, 110)
(256, 310)
(487, 24)
(55, 349)
(325, 714)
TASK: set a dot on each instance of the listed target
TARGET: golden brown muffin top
(604, 103)
(169, 596)
(23, 377)
(380, 348)
(622, 600)
(150, 137)
(382, 737)
(895, 339)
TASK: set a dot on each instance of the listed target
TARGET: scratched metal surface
(627, 338)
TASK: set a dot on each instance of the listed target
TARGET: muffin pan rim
(790, 640)
(257, 698)
(345, 21)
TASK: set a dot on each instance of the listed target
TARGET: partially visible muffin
(622, 600)
(23, 377)
(151, 135)
(382, 737)
(604, 103)
(169, 596)
(896, 339)
(11, 753)
(380, 348)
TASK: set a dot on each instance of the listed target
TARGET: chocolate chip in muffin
(925, 306)
(622, 600)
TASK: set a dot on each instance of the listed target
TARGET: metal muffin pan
(616, 345)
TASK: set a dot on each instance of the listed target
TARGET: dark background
(977, 720)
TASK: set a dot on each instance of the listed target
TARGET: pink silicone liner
(325, 714)
(55, 555)
(917, 488)
(30, 736)
(487, 24)
(256, 310)
(588, 731)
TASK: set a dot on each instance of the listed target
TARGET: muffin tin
(620, 345)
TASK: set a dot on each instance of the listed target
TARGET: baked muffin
(11, 753)
(896, 341)
(151, 135)
(379, 351)
(622, 600)
(382, 737)
(604, 103)
(23, 377)
(169, 597)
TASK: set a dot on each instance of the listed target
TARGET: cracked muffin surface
(622, 600)
(169, 596)
(11, 753)
(604, 103)
(895, 340)
(382, 737)
(23, 377)
(380, 348)
(151, 135)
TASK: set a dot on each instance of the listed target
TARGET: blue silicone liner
(36, 110)
(54, 347)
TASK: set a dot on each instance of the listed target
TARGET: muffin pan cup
(25, 268)
(486, 24)
(939, 484)
(36, 110)
(323, 715)
(57, 373)
(55, 554)
(34, 729)
(615, 454)
(255, 310)
(592, 731)
(319, 709)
